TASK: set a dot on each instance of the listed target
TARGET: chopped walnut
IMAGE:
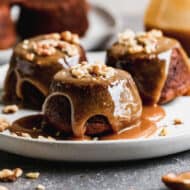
(177, 122)
(3, 187)
(48, 47)
(10, 109)
(51, 138)
(42, 137)
(69, 37)
(40, 187)
(30, 56)
(140, 42)
(10, 175)
(26, 135)
(75, 39)
(33, 175)
(163, 132)
(26, 42)
(4, 124)
(155, 33)
(14, 134)
(126, 35)
(92, 70)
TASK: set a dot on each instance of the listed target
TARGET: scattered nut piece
(33, 175)
(3, 187)
(67, 36)
(51, 138)
(14, 134)
(26, 135)
(10, 109)
(177, 122)
(18, 172)
(10, 175)
(163, 132)
(26, 42)
(40, 187)
(4, 124)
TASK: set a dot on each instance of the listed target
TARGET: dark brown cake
(92, 99)
(7, 28)
(42, 17)
(159, 65)
(34, 63)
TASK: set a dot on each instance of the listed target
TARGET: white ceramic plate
(176, 141)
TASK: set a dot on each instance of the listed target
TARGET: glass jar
(172, 17)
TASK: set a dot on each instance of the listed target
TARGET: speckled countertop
(136, 175)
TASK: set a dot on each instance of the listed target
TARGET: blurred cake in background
(47, 16)
(7, 28)
(172, 17)
(41, 17)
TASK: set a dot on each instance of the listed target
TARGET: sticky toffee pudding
(158, 65)
(91, 100)
(34, 63)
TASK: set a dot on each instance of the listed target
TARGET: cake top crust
(87, 71)
(144, 43)
(49, 48)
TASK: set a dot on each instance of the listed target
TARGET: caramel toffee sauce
(147, 126)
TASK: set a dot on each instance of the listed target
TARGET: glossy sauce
(145, 128)
(153, 113)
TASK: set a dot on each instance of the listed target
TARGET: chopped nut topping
(33, 175)
(51, 138)
(140, 42)
(26, 135)
(69, 37)
(30, 56)
(42, 137)
(85, 70)
(55, 36)
(177, 122)
(10, 109)
(48, 47)
(26, 42)
(18, 172)
(14, 134)
(10, 175)
(40, 187)
(163, 132)
(3, 187)
(4, 124)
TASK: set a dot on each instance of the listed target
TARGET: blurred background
(130, 12)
